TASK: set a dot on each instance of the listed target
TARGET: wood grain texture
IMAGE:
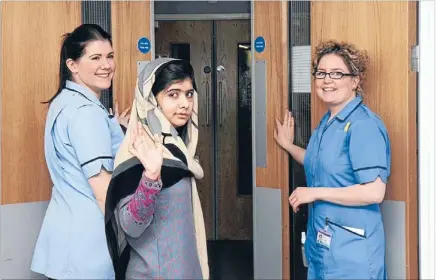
(271, 22)
(235, 213)
(387, 30)
(30, 44)
(130, 22)
(198, 34)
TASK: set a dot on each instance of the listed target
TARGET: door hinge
(414, 65)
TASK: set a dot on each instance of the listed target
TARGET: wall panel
(31, 37)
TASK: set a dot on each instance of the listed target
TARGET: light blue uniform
(353, 148)
(80, 139)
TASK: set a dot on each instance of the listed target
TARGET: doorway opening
(220, 53)
(300, 105)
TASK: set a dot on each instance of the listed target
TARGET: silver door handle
(220, 109)
(207, 103)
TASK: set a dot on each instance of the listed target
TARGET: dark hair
(170, 72)
(73, 46)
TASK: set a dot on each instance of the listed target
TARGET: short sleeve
(369, 151)
(90, 137)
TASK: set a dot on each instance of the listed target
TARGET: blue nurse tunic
(352, 148)
(80, 140)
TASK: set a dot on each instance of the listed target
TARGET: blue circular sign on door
(144, 45)
(259, 44)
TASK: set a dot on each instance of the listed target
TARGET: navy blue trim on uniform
(349, 108)
(94, 159)
(328, 221)
(368, 168)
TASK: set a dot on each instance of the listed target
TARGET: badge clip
(347, 126)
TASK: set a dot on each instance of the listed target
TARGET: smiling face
(336, 93)
(95, 68)
(177, 102)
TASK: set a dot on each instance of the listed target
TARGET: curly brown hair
(356, 60)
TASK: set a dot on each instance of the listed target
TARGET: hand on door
(123, 118)
(284, 133)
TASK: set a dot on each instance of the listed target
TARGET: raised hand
(284, 133)
(149, 153)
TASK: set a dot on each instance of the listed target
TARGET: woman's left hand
(123, 118)
(301, 195)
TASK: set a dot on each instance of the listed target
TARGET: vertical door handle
(220, 109)
(207, 103)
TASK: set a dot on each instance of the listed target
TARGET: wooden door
(271, 231)
(130, 20)
(234, 170)
(28, 76)
(192, 40)
(26, 138)
(387, 30)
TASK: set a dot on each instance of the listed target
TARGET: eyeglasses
(332, 75)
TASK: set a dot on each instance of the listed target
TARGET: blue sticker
(259, 44)
(144, 45)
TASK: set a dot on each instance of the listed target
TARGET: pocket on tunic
(347, 257)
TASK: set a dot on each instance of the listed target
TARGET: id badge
(324, 238)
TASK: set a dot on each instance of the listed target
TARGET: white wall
(427, 140)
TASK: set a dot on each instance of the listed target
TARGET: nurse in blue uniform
(81, 140)
(347, 165)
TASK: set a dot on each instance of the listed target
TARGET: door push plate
(140, 66)
(259, 124)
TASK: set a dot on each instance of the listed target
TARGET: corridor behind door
(220, 54)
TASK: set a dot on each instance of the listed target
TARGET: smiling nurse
(80, 141)
(347, 165)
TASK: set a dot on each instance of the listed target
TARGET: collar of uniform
(346, 111)
(86, 92)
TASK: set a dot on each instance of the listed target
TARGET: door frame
(152, 30)
(427, 139)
